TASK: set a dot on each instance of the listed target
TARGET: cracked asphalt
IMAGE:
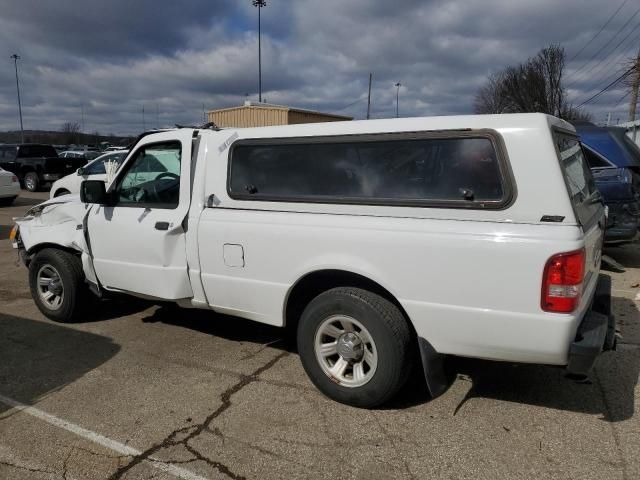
(142, 391)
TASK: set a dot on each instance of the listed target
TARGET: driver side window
(152, 178)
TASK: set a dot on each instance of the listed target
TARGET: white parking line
(94, 437)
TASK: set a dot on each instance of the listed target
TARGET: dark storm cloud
(111, 58)
(108, 29)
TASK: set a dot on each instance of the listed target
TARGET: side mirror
(80, 171)
(94, 191)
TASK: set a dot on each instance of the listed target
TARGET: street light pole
(15, 62)
(398, 85)
(259, 4)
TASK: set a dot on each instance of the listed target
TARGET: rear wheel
(56, 281)
(355, 346)
(31, 181)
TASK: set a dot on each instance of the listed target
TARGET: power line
(621, 99)
(607, 44)
(350, 105)
(612, 58)
(608, 56)
(615, 82)
(599, 31)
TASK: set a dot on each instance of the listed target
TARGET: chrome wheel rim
(345, 351)
(29, 183)
(50, 287)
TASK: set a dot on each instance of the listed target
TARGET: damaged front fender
(57, 222)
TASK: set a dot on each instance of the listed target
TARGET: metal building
(264, 114)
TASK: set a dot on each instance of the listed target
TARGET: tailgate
(586, 201)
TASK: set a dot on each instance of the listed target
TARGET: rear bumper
(596, 332)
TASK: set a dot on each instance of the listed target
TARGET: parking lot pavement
(144, 391)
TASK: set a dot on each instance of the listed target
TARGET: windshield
(31, 151)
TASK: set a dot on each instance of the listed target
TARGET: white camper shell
(477, 236)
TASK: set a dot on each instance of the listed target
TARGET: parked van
(382, 242)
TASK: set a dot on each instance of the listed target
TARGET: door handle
(162, 225)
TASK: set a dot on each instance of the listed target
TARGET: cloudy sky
(111, 58)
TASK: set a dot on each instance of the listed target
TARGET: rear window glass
(464, 170)
(580, 183)
(31, 151)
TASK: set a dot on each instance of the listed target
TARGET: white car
(95, 170)
(380, 242)
(86, 154)
(9, 187)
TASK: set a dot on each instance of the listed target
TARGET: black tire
(31, 182)
(69, 269)
(386, 325)
(6, 201)
(60, 192)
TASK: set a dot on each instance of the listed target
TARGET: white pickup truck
(383, 242)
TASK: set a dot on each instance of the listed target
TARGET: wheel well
(41, 246)
(313, 284)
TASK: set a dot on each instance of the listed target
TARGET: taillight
(562, 282)
(14, 179)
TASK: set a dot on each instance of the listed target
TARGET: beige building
(264, 114)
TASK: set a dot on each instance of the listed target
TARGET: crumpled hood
(62, 199)
(58, 220)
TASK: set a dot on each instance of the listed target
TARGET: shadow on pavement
(241, 330)
(115, 307)
(628, 255)
(224, 326)
(37, 357)
(610, 393)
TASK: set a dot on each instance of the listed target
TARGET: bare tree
(489, 98)
(532, 86)
(71, 131)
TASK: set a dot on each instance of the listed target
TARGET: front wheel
(56, 281)
(355, 346)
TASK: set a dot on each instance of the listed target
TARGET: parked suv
(380, 242)
(36, 165)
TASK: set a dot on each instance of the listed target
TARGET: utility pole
(144, 123)
(634, 89)
(82, 115)
(204, 114)
(608, 119)
(369, 97)
(259, 4)
(398, 85)
(157, 116)
(16, 57)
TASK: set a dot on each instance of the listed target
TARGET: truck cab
(377, 241)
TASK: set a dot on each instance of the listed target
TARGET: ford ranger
(382, 243)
